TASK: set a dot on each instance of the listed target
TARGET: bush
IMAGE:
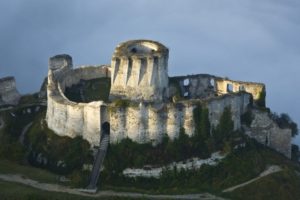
(58, 154)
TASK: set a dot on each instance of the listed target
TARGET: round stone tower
(140, 71)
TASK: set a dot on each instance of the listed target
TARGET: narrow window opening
(186, 82)
(229, 87)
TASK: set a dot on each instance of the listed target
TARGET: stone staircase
(104, 142)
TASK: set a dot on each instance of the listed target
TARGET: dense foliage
(58, 154)
(14, 122)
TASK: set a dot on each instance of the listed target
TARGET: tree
(224, 129)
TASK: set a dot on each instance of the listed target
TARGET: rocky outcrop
(9, 94)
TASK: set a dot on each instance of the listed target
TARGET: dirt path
(58, 188)
(25, 129)
(272, 169)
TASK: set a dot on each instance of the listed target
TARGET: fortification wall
(192, 86)
(225, 86)
(264, 130)
(8, 91)
(149, 122)
(238, 104)
(67, 118)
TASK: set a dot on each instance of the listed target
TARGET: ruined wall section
(238, 103)
(150, 122)
(9, 94)
(140, 71)
(225, 86)
(192, 86)
(147, 122)
(264, 130)
(67, 118)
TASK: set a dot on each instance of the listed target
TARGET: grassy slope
(14, 191)
(240, 166)
(8, 167)
(282, 185)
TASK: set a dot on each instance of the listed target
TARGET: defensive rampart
(69, 118)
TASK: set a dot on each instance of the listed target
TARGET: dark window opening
(229, 87)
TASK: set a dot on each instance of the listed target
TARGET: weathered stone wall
(266, 131)
(140, 71)
(9, 94)
(67, 118)
(225, 86)
(192, 86)
(238, 103)
(149, 122)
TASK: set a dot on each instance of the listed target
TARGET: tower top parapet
(140, 48)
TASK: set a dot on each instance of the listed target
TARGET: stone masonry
(9, 94)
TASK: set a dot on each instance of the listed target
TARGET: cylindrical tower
(140, 71)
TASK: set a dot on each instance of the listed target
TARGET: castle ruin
(145, 103)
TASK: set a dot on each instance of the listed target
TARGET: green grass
(8, 167)
(238, 167)
(15, 191)
(92, 90)
(283, 185)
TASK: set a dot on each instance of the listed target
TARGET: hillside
(244, 160)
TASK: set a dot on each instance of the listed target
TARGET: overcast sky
(251, 40)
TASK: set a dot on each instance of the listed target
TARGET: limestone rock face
(267, 132)
(9, 94)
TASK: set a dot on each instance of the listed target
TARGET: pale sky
(249, 40)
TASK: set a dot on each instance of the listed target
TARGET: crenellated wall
(69, 118)
(9, 94)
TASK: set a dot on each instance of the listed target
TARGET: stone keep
(140, 71)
